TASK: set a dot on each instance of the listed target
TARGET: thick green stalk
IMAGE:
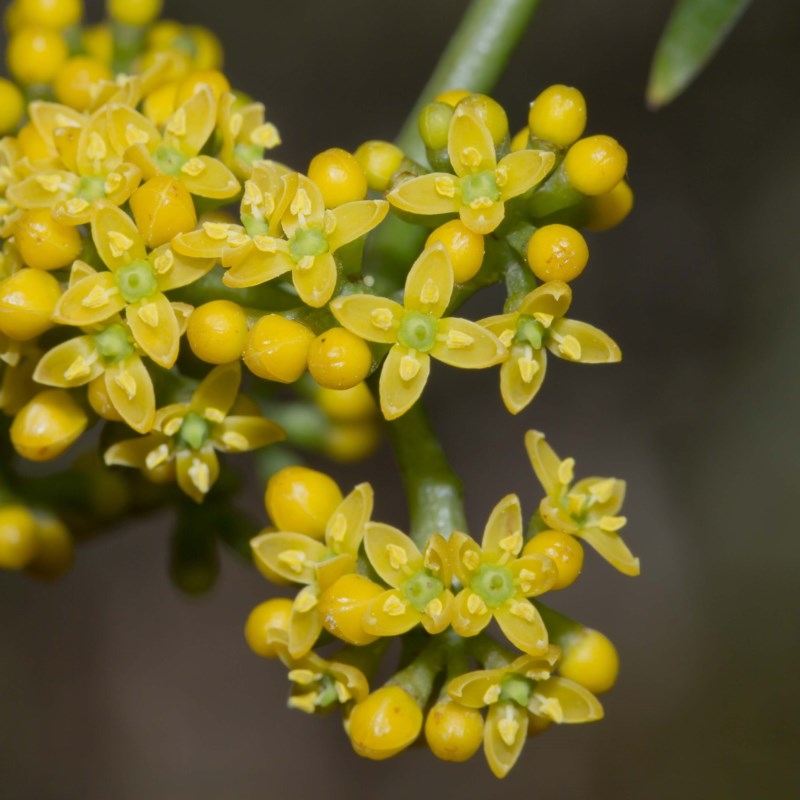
(434, 491)
(474, 59)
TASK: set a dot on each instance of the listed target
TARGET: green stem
(474, 59)
(419, 676)
(433, 489)
(561, 629)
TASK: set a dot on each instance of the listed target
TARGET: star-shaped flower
(498, 582)
(538, 325)
(417, 331)
(481, 185)
(587, 509)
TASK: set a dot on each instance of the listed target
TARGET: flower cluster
(150, 246)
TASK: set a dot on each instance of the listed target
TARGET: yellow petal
(138, 408)
(392, 554)
(293, 556)
(502, 535)
(469, 144)
(612, 548)
(389, 614)
(238, 433)
(197, 471)
(217, 392)
(91, 300)
(429, 285)
(504, 736)
(209, 177)
(160, 340)
(521, 623)
(375, 319)
(258, 267)
(544, 461)
(398, 394)
(467, 345)
(316, 283)
(354, 220)
(436, 193)
(345, 529)
(190, 125)
(305, 624)
(116, 237)
(71, 363)
(174, 270)
(482, 218)
(552, 298)
(521, 377)
(534, 574)
(134, 452)
(573, 702)
(595, 347)
(523, 170)
(470, 614)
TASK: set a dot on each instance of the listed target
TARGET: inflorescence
(150, 248)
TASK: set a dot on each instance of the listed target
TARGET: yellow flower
(313, 234)
(178, 151)
(245, 134)
(481, 185)
(89, 169)
(498, 581)
(189, 434)
(537, 324)
(417, 331)
(136, 283)
(420, 582)
(301, 559)
(587, 509)
(512, 692)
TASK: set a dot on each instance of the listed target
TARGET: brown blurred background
(113, 685)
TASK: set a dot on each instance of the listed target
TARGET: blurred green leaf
(696, 28)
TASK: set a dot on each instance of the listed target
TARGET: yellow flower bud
(54, 550)
(342, 606)
(384, 723)
(339, 177)
(36, 54)
(264, 622)
(558, 115)
(301, 500)
(74, 82)
(162, 208)
(133, 12)
(100, 401)
(12, 106)
(565, 551)
(379, 162)
(464, 247)
(45, 243)
(57, 14)
(596, 164)
(557, 253)
(17, 537)
(608, 210)
(490, 112)
(590, 659)
(453, 732)
(47, 425)
(27, 301)
(217, 331)
(212, 78)
(347, 405)
(338, 359)
(277, 348)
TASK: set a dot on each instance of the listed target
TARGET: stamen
(127, 383)
(148, 314)
(394, 606)
(398, 557)
(430, 292)
(157, 456)
(194, 167)
(409, 368)
(566, 471)
(295, 560)
(381, 318)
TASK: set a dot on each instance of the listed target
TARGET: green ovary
(480, 186)
(530, 331)
(493, 584)
(516, 689)
(136, 281)
(305, 243)
(113, 344)
(418, 331)
(195, 431)
(90, 189)
(421, 588)
(169, 161)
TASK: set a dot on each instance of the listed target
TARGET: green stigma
(136, 281)
(113, 344)
(195, 431)
(418, 331)
(421, 588)
(479, 186)
(494, 584)
(305, 243)
(169, 161)
(530, 331)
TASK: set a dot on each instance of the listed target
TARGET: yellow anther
(471, 560)
(381, 318)
(394, 606)
(305, 601)
(527, 580)
(218, 231)
(96, 149)
(491, 695)
(253, 196)
(475, 605)
(342, 692)
(49, 181)
(470, 157)
(506, 337)
(508, 730)
(430, 292)
(398, 557)
(523, 610)
(434, 608)
(118, 243)
(305, 263)
(409, 367)
(304, 702)
(611, 524)
(214, 414)
(329, 222)
(431, 561)
(458, 340)
(549, 707)
(157, 456)
(268, 204)
(97, 298)
(481, 202)
(163, 263)
(194, 167)
(148, 313)
(301, 203)
(445, 186)
(112, 183)
(295, 560)
(76, 205)
(177, 123)
(303, 676)
(527, 368)
(576, 503)
(266, 136)
(237, 238)
(134, 135)
(602, 490)
(266, 244)
(337, 528)
(512, 543)
(173, 426)
(566, 471)
(78, 369)
(570, 347)
(501, 176)
(235, 441)
(235, 124)
(545, 319)
(126, 382)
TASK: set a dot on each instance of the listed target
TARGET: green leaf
(696, 28)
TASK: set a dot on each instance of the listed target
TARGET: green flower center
(517, 689)
(530, 331)
(254, 226)
(418, 331)
(494, 584)
(479, 186)
(311, 242)
(421, 588)
(113, 344)
(90, 189)
(169, 161)
(248, 153)
(195, 431)
(136, 281)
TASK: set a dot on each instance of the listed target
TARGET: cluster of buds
(150, 249)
